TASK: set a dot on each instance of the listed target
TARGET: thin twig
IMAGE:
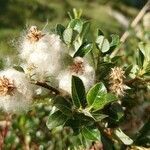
(133, 25)
(46, 86)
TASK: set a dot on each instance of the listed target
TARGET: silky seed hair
(15, 91)
(80, 68)
(42, 53)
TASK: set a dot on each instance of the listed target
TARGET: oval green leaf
(103, 100)
(83, 50)
(91, 134)
(76, 24)
(56, 119)
(67, 35)
(95, 92)
(102, 44)
(63, 105)
(78, 92)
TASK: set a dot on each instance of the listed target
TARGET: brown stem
(46, 86)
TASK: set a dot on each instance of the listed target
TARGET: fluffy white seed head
(44, 64)
(15, 91)
(79, 68)
(36, 40)
(43, 51)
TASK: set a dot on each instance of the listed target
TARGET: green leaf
(99, 117)
(83, 50)
(102, 100)
(91, 134)
(123, 137)
(128, 70)
(76, 24)
(74, 124)
(144, 48)
(140, 59)
(143, 136)
(77, 13)
(102, 44)
(115, 59)
(85, 29)
(63, 105)
(18, 68)
(78, 92)
(95, 92)
(60, 29)
(100, 32)
(77, 43)
(115, 41)
(67, 35)
(56, 119)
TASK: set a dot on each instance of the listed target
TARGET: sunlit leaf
(102, 100)
(102, 44)
(95, 92)
(91, 134)
(123, 137)
(76, 24)
(67, 35)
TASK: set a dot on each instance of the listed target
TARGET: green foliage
(83, 50)
(124, 138)
(86, 113)
(56, 119)
(91, 134)
(98, 97)
(78, 92)
(67, 35)
(95, 93)
(63, 105)
(102, 44)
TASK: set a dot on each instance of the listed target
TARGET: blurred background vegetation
(111, 16)
(15, 15)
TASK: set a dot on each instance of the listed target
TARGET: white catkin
(87, 76)
(44, 54)
(21, 98)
